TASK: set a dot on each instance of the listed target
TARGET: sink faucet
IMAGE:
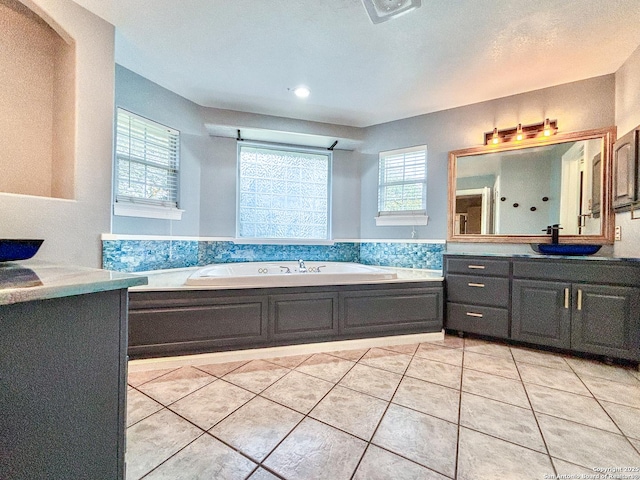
(302, 268)
(553, 230)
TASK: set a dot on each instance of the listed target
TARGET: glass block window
(147, 159)
(283, 193)
(402, 181)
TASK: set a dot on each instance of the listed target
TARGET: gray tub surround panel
(63, 364)
(145, 255)
(583, 304)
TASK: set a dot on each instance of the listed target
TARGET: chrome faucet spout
(302, 268)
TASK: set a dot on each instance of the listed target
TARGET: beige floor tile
(407, 349)
(429, 398)
(135, 379)
(586, 446)
(568, 469)
(262, 474)
(635, 443)
(353, 355)
(451, 341)
(257, 427)
(627, 418)
(175, 385)
(154, 439)
(422, 438)
(386, 360)
(212, 403)
(539, 357)
(552, 378)
(372, 381)
(298, 391)
(379, 464)
(316, 451)
(598, 369)
(614, 392)
(505, 367)
(435, 372)
(220, 369)
(570, 406)
(256, 375)
(289, 362)
(206, 457)
(452, 356)
(354, 412)
(508, 422)
(493, 386)
(483, 457)
(495, 349)
(326, 367)
(139, 406)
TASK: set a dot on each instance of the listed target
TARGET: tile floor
(458, 408)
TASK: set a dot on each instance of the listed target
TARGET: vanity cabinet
(625, 170)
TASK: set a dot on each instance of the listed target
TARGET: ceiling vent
(382, 10)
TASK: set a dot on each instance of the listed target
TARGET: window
(147, 159)
(283, 193)
(402, 187)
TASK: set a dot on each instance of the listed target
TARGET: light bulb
(495, 136)
(547, 128)
(519, 135)
(302, 92)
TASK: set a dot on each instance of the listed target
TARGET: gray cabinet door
(606, 320)
(298, 315)
(625, 170)
(541, 312)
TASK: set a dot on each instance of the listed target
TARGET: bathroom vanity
(62, 371)
(581, 304)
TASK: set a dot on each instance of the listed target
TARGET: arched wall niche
(37, 102)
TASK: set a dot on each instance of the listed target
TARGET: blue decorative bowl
(18, 249)
(568, 249)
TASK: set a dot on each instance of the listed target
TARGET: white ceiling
(245, 54)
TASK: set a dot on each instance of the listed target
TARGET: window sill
(146, 211)
(280, 241)
(401, 220)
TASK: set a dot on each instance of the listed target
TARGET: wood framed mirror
(510, 192)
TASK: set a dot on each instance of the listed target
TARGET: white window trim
(131, 209)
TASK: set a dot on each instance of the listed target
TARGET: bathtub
(287, 274)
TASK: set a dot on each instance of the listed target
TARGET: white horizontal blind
(283, 192)
(147, 159)
(402, 181)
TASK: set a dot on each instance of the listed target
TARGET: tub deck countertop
(173, 279)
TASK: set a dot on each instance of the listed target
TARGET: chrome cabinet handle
(579, 299)
(566, 298)
(476, 267)
(481, 285)
(473, 314)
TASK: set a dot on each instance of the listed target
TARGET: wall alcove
(37, 101)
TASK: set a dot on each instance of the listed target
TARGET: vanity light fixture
(521, 132)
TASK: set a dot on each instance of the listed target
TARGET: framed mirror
(510, 192)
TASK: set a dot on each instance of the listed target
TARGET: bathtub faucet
(302, 268)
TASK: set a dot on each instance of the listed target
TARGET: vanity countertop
(34, 280)
(547, 257)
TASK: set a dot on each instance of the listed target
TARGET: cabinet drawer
(476, 319)
(478, 290)
(477, 266)
(585, 271)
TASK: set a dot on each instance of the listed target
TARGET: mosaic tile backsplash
(144, 255)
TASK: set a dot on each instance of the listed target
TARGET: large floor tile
(482, 457)
(372, 381)
(508, 422)
(316, 451)
(435, 372)
(206, 457)
(505, 367)
(353, 355)
(552, 378)
(136, 379)
(354, 412)
(139, 406)
(407, 349)
(212, 403)
(386, 360)
(298, 391)
(256, 375)
(429, 398)
(326, 367)
(379, 464)
(451, 341)
(262, 474)
(291, 361)
(569, 469)
(495, 349)
(253, 428)
(452, 356)
(539, 357)
(627, 418)
(635, 443)
(221, 369)
(614, 392)
(495, 387)
(175, 385)
(570, 406)
(154, 439)
(601, 370)
(422, 438)
(586, 446)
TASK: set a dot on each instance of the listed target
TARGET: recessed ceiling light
(301, 92)
(382, 10)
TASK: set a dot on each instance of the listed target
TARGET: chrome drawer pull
(481, 285)
(566, 298)
(579, 299)
(476, 267)
(472, 314)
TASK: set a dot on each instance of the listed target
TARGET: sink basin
(564, 249)
(14, 249)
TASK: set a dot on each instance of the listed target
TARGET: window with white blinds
(402, 181)
(147, 162)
